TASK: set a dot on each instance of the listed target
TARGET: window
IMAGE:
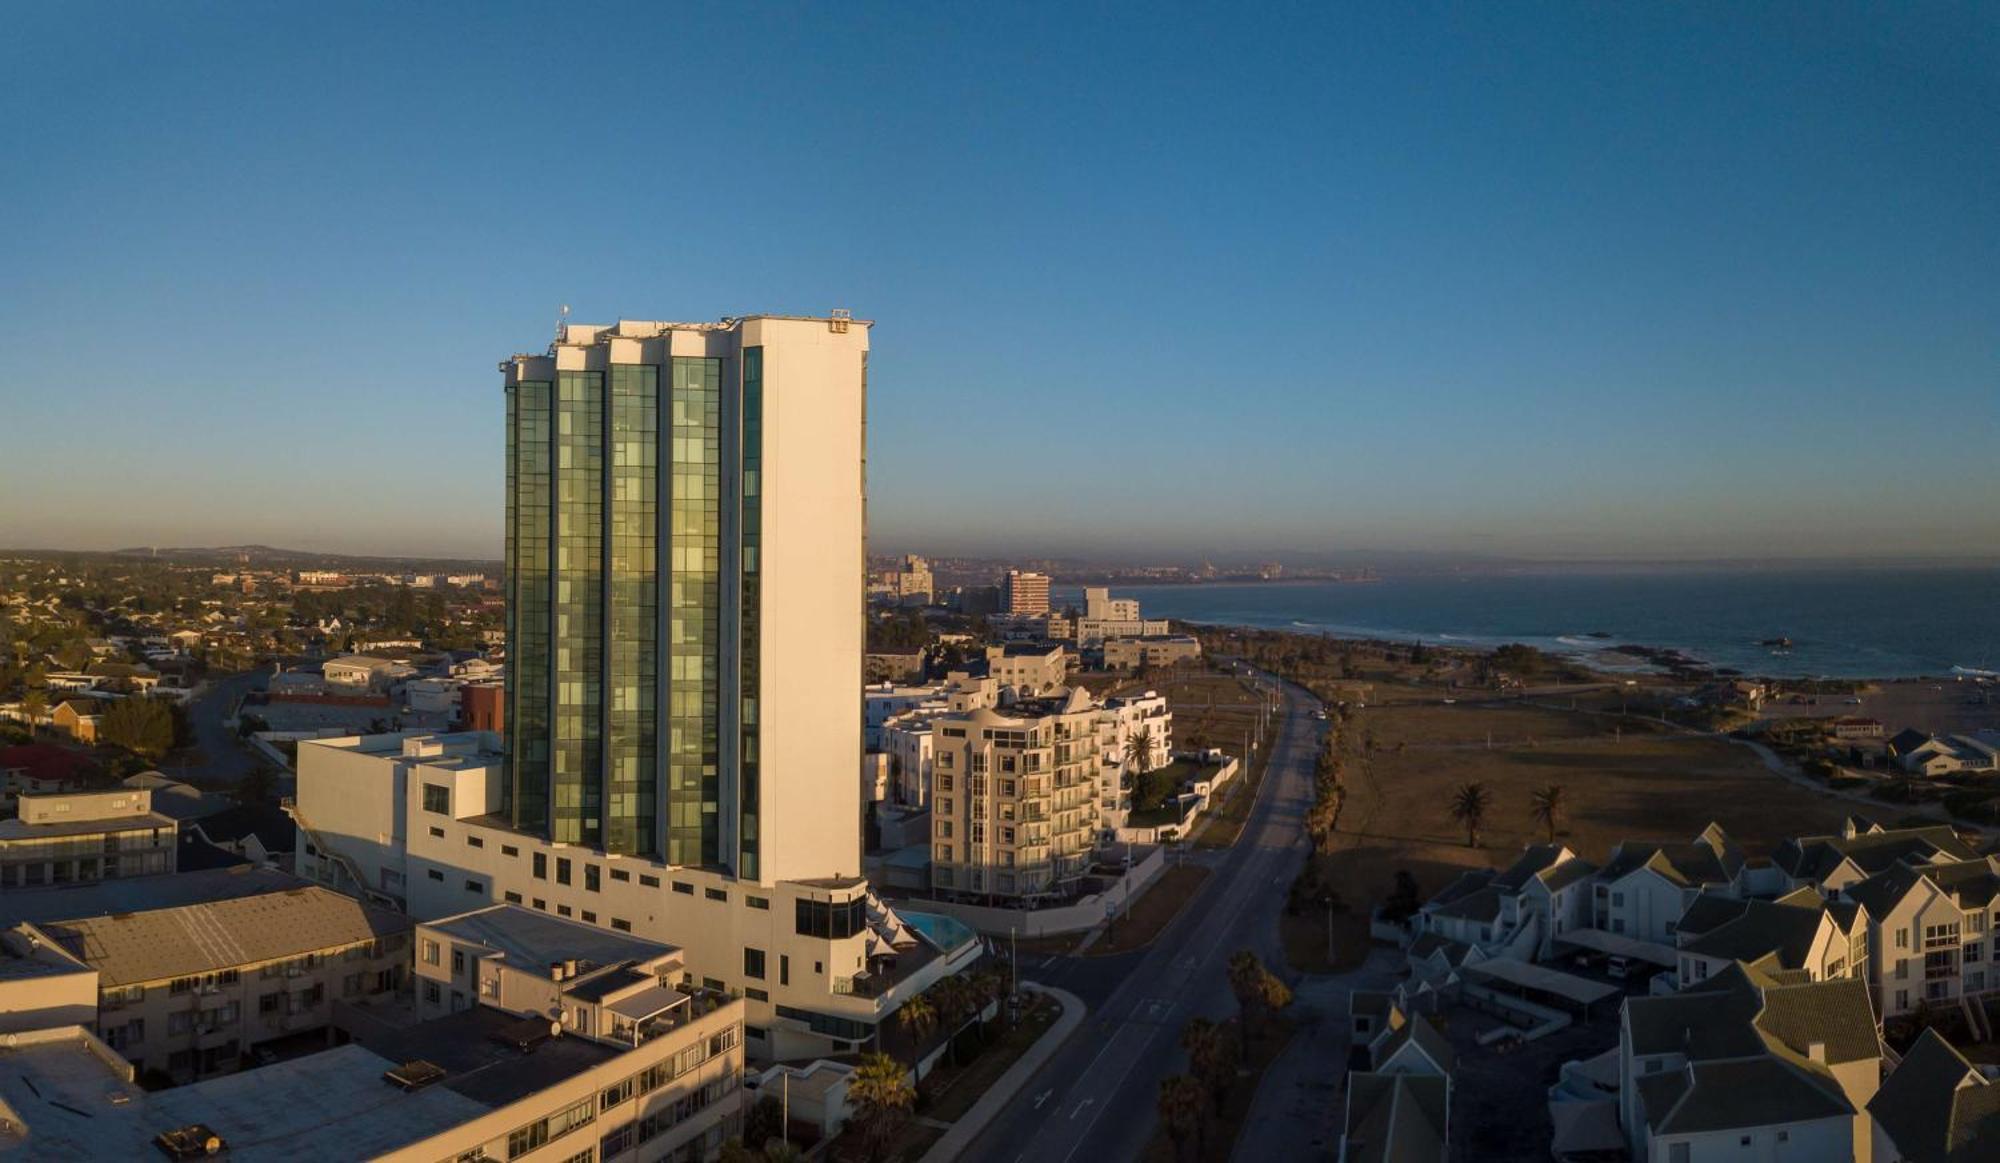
(621, 925)
(613, 1095)
(648, 881)
(757, 902)
(564, 911)
(753, 963)
(513, 898)
(589, 917)
(437, 798)
(591, 881)
(828, 919)
(620, 874)
(616, 1143)
(1902, 938)
(430, 949)
(437, 833)
(457, 962)
(269, 1003)
(562, 870)
(784, 970)
(715, 894)
(478, 886)
(541, 868)
(684, 888)
(755, 994)
(509, 850)
(472, 841)
(432, 993)
(541, 904)
(435, 874)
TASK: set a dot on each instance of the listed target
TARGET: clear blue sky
(1606, 279)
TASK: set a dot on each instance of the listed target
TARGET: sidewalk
(962, 1132)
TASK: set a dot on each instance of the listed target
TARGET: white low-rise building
(1932, 932)
(412, 818)
(1744, 1066)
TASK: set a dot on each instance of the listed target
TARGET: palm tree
(1258, 991)
(1548, 807)
(1210, 1055)
(917, 1017)
(882, 1095)
(1183, 1108)
(1468, 807)
(953, 998)
(1139, 751)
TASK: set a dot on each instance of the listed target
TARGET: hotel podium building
(685, 507)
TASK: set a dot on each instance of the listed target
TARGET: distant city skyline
(1674, 282)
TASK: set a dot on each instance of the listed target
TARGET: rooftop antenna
(562, 320)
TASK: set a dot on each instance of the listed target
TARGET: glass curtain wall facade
(617, 485)
(527, 721)
(633, 678)
(577, 786)
(694, 613)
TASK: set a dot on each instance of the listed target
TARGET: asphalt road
(216, 754)
(1096, 1098)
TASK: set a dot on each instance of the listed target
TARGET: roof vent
(193, 1141)
(414, 1075)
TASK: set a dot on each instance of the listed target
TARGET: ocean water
(1846, 623)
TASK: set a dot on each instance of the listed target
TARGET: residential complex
(1014, 804)
(1761, 988)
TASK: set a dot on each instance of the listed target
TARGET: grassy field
(1159, 904)
(1622, 779)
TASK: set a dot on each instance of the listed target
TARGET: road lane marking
(1079, 1108)
(1043, 1097)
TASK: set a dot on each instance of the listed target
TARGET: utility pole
(1014, 955)
(1329, 931)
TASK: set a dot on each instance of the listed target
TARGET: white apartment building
(1743, 1066)
(1931, 931)
(1798, 933)
(1121, 721)
(413, 819)
(904, 733)
(1133, 653)
(1644, 888)
(1014, 801)
(1028, 670)
(1521, 911)
(1829, 864)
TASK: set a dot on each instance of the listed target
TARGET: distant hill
(274, 557)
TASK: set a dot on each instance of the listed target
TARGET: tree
(1468, 807)
(918, 1017)
(882, 1097)
(1183, 1110)
(1548, 802)
(1139, 751)
(764, 1122)
(139, 725)
(35, 703)
(1212, 1057)
(1259, 992)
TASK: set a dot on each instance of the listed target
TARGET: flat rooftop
(334, 1105)
(138, 894)
(530, 940)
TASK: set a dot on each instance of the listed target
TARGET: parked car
(1618, 967)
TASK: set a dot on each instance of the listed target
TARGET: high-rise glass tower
(684, 592)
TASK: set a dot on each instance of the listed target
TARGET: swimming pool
(948, 933)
